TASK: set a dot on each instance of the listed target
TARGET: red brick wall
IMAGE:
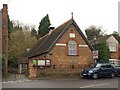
(60, 57)
(32, 70)
(115, 55)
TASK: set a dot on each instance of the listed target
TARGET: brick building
(113, 45)
(65, 47)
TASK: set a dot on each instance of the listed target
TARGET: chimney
(51, 29)
(5, 7)
(5, 16)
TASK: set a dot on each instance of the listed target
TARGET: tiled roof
(46, 43)
(22, 60)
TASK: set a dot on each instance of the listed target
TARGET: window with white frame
(112, 47)
(72, 47)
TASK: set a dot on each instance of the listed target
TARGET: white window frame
(112, 47)
(73, 50)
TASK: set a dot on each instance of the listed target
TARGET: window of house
(72, 47)
(112, 47)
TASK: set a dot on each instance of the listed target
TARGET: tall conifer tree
(44, 26)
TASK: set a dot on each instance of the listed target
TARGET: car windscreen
(96, 65)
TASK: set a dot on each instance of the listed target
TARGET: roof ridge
(43, 36)
(64, 23)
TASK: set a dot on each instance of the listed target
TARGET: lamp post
(94, 40)
(94, 50)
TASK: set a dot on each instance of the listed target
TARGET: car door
(109, 69)
(103, 70)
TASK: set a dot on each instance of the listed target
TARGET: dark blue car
(100, 70)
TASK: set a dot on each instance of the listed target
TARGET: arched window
(72, 47)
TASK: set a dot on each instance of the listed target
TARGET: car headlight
(90, 71)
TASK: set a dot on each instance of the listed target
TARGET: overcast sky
(101, 13)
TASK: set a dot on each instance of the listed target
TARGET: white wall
(112, 40)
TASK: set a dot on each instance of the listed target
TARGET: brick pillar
(5, 35)
(32, 70)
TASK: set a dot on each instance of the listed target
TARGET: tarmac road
(63, 83)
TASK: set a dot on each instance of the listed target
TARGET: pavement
(17, 78)
(14, 77)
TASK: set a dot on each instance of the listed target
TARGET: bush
(58, 73)
(12, 63)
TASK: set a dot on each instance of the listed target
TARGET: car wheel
(112, 75)
(95, 76)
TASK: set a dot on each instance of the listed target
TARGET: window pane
(112, 47)
(74, 52)
(72, 47)
(70, 52)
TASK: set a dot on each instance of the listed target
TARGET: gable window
(112, 47)
(72, 47)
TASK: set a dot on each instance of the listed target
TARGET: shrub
(58, 73)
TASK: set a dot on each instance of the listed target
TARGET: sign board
(44, 62)
(72, 35)
(95, 54)
(34, 62)
(41, 62)
(47, 62)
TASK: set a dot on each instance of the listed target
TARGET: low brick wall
(35, 72)
(58, 73)
(32, 70)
